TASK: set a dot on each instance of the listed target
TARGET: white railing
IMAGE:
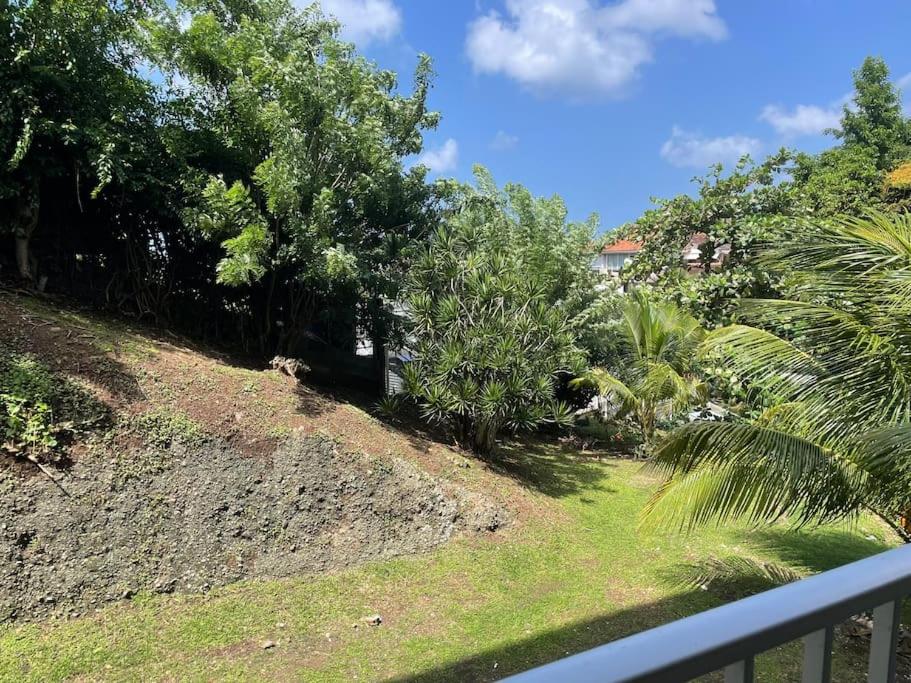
(729, 637)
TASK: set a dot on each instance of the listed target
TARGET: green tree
(841, 180)
(295, 147)
(876, 121)
(73, 108)
(741, 209)
(759, 203)
(659, 378)
(875, 136)
(491, 300)
(835, 359)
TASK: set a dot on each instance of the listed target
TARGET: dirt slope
(208, 472)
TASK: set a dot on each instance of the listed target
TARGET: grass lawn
(577, 574)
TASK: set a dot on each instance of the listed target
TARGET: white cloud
(903, 82)
(365, 21)
(686, 148)
(441, 159)
(804, 119)
(581, 47)
(503, 142)
(690, 18)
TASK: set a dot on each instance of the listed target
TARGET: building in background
(614, 256)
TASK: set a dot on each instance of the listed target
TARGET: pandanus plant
(487, 343)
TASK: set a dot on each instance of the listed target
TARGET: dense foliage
(656, 374)
(492, 300)
(757, 204)
(298, 174)
(835, 359)
(741, 209)
(230, 168)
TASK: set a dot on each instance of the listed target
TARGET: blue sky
(611, 103)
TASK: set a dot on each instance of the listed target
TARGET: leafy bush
(615, 434)
(37, 407)
(490, 337)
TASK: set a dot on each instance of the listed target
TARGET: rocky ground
(186, 519)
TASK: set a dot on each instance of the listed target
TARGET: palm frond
(662, 381)
(765, 359)
(736, 569)
(722, 471)
(606, 385)
(836, 359)
(885, 453)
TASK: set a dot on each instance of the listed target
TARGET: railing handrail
(719, 637)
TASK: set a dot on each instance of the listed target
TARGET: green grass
(580, 575)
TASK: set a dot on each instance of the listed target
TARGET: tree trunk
(485, 437)
(26, 221)
(380, 365)
(22, 258)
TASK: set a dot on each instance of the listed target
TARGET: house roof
(623, 247)
(696, 241)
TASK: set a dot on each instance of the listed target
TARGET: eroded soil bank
(189, 518)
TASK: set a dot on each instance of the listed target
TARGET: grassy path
(579, 575)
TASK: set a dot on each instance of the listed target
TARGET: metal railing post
(817, 656)
(739, 672)
(885, 642)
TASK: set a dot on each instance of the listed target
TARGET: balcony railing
(729, 637)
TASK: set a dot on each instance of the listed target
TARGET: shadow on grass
(551, 468)
(817, 549)
(560, 642)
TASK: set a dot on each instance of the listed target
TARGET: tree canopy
(232, 168)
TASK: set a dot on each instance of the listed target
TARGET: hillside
(197, 472)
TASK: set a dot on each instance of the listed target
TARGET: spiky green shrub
(489, 335)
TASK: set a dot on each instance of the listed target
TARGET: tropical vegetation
(832, 361)
(492, 299)
(657, 362)
(230, 169)
(236, 171)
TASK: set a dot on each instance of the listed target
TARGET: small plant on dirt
(38, 407)
(390, 407)
(27, 424)
(162, 427)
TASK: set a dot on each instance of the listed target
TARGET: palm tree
(837, 358)
(659, 347)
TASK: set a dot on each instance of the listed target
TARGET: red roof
(623, 246)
